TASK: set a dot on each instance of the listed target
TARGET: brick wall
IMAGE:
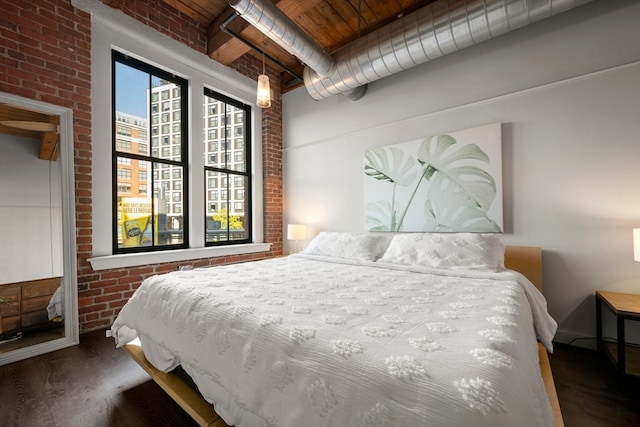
(164, 19)
(45, 55)
(272, 150)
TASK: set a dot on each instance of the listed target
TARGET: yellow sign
(135, 214)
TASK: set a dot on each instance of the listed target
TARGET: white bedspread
(304, 342)
(55, 308)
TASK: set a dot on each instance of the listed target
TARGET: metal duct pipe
(267, 18)
(438, 29)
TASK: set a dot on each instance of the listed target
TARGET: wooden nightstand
(624, 307)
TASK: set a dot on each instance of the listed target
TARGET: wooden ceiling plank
(353, 11)
(295, 8)
(367, 14)
(325, 26)
(372, 23)
(203, 12)
(383, 8)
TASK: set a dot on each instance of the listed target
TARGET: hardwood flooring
(590, 393)
(90, 385)
(96, 385)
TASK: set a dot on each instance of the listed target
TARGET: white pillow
(463, 251)
(356, 246)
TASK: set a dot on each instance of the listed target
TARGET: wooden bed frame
(528, 261)
(524, 259)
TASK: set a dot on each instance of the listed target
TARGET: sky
(131, 90)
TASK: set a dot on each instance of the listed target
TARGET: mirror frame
(69, 278)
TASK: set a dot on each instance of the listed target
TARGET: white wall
(567, 91)
(30, 212)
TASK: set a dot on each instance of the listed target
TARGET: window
(123, 145)
(142, 221)
(227, 220)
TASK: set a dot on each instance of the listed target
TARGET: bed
(358, 329)
(55, 307)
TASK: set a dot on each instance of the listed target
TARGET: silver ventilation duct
(438, 29)
(267, 18)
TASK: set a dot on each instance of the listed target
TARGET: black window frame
(231, 172)
(119, 57)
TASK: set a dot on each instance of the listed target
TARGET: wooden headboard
(526, 260)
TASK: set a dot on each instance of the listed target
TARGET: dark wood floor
(590, 393)
(95, 385)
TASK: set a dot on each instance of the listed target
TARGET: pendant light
(264, 92)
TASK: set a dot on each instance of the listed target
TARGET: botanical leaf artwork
(442, 186)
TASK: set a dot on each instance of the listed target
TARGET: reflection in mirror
(38, 301)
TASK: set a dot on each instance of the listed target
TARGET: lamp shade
(264, 92)
(296, 232)
(636, 244)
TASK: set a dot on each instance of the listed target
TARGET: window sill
(132, 260)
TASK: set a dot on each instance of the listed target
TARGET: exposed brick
(108, 298)
(45, 54)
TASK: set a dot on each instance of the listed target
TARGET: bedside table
(624, 307)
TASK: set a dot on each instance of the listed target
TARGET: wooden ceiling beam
(225, 49)
(49, 146)
(222, 47)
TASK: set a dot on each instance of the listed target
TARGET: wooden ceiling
(32, 124)
(331, 23)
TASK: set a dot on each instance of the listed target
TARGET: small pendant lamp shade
(264, 92)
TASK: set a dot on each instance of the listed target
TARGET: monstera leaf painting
(443, 183)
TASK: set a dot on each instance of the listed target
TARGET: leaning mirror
(38, 286)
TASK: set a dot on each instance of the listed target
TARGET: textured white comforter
(306, 341)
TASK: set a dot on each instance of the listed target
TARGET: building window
(123, 145)
(142, 220)
(228, 222)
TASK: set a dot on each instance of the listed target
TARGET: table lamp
(296, 232)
